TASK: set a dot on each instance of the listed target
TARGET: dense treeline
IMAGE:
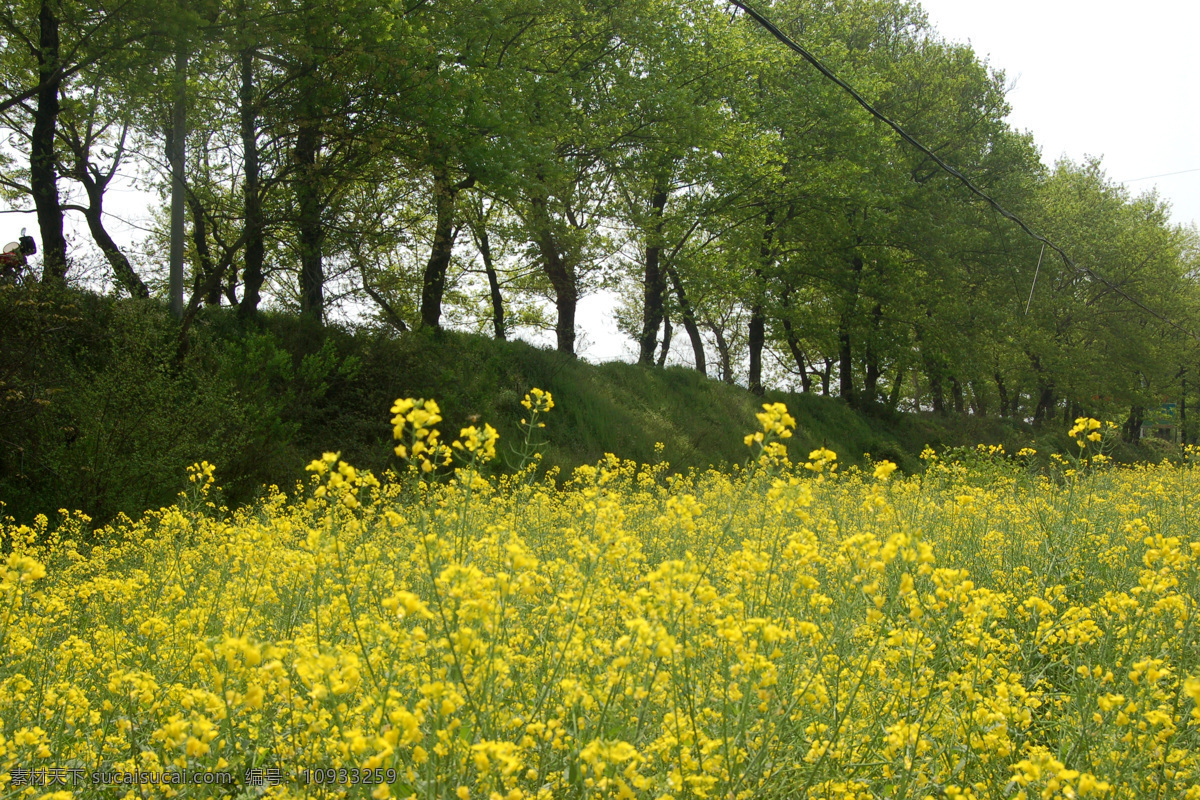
(484, 164)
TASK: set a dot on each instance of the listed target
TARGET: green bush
(103, 414)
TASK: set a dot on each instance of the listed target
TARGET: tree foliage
(484, 165)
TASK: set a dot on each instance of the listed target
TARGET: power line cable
(906, 136)
(1163, 175)
(1029, 302)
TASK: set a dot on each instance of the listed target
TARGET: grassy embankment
(103, 412)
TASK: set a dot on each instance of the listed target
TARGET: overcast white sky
(1117, 80)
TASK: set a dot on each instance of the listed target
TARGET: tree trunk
(566, 298)
(978, 401)
(654, 285)
(757, 333)
(433, 286)
(793, 341)
(666, 341)
(1045, 403)
(897, 385)
(393, 317)
(230, 289)
(845, 365)
(870, 377)
(845, 351)
(177, 150)
(1003, 391)
(252, 272)
(956, 392)
(485, 250)
(1133, 425)
(43, 177)
(825, 373)
(937, 395)
(94, 214)
(798, 354)
(561, 275)
(723, 351)
(122, 269)
(688, 315)
(207, 283)
(205, 268)
(1045, 390)
(871, 357)
(755, 340)
(311, 230)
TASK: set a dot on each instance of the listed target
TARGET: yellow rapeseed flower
(624, 631)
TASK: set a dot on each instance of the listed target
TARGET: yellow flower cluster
(775, 631)
(343, 483)
(777, 425)
(884, 469)
(478, 443)
(538, 401)
(420, 442)
(821, 459)
(776, 420)
(412, 426)
(1086, 430)
(20, 570)
(202, 474)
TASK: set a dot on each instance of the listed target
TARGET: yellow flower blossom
(624, 631)
(884, 469)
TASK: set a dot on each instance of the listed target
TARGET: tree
(87, 127)
(48, 43)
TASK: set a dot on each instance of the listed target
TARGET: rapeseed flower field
(778, 630)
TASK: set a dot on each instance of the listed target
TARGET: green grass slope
(102, 410)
